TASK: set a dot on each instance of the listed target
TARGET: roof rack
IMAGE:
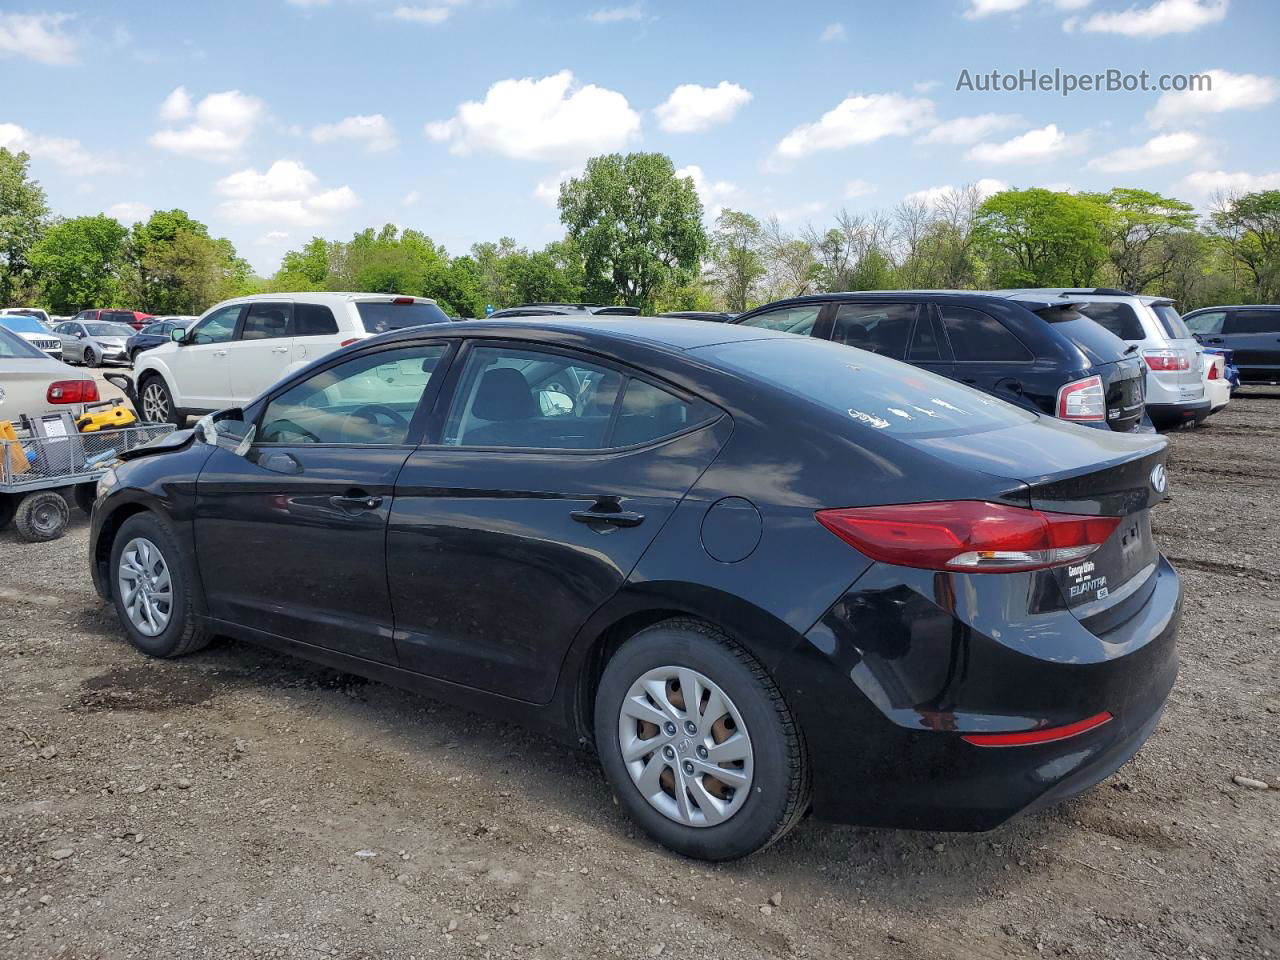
(1098, 291)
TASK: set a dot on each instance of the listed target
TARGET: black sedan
(155, 333)
(761, 574)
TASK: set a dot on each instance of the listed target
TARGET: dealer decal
(1083, 581)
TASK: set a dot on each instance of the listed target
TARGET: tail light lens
(1166, 360)
(970, 536)
(72, 391)
(1213, 371)
(402, 301)
(1082, 400)
(349, 342)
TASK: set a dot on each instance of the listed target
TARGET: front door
(553, 474)
(292, 535)
(202, 375)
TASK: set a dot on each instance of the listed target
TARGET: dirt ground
(239, 804)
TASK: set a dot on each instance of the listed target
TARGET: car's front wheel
(152, 589)
(157, 402)
(90, 358)
(698, 743)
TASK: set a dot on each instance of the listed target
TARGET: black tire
(84, 495)
(42, 516)
(779, 791)
(183, 634)
(8, 505)
(90, 358)
(133, 357)
(162, 398)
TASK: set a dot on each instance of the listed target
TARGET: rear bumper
(1166, 415)
(892, 676)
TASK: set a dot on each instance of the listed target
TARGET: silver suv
(1175, 374)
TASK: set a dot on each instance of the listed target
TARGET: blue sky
(277, 120)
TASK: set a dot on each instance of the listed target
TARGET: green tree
(1039, 238)
(1248, 226)
(179, 268)
(81, 263)
(737, 258)
(1138, 234)
(637, 225)
(23, 213)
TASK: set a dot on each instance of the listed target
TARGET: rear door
(551, 474)
(987, 355)
(1254, 335)
(313, 332)
(261, 350)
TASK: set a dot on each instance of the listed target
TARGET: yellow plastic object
(111, 418)
(17, 458)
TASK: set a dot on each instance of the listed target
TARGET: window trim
(1031, 354)
(439, 417)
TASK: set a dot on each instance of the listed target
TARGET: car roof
(1237, 306)
(1102, 294)
(317, 296)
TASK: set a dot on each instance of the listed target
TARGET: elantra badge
(1158, 479)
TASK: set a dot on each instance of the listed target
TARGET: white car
(33, 384)
(30, 329)
(1175, 372)
(240, 347)
(1216, 386)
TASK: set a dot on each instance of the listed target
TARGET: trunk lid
(1123, 384)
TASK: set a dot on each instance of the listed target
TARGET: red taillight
(72, 391)
(1082, 400)
(969, 536)
(347, 343)
(1166, 360)
(1024, 738)
(1213, 372)
(402, 300)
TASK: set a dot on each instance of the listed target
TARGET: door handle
(356, 502)
(279, 349)
(618, 518)
(219, 353)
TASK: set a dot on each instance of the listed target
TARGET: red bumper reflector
(1024, 738)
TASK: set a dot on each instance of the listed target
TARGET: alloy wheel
(146, 587)
(685, 746)
(155, 402)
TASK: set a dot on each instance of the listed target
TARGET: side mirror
(226, 429)
(178, 335)
(79, 334)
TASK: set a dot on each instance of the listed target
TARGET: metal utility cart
(39, 475)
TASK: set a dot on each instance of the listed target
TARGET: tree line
(635, 235)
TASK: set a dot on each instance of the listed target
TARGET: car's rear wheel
(698, 743)
(151, 588)
(157, 402)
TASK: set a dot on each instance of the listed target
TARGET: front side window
(155, 329)
(369, 399)
(1207, 324)
(798, 319)
(977, 336)
(265, 321)
(218, 327)
(881, 328)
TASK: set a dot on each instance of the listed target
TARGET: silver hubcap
(155, 404)
(685, 746)
(146, 589)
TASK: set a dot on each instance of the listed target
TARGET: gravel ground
(240, 804)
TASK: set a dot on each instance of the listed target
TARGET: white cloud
(932, 195)
(410, 198)
(1043, 144)
(551, 118)
(548, 189)
(832, 32)
(856, 120)
(800, 211)
(1159, 19)
(985, 8)
(924, 86)
(176, 106)
(691, 108)
(276, 235)
(64, 152)
(632, 12)
(288, 193)
(1157, 152)
(130, 212)
(39, 37)
(714, 194)
(307, 3)
(858, 188)
(970, 129)
(220, 125)
(430, 16)
(373, 130)
(1208, 182)
(1228, 91)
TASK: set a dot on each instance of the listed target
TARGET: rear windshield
(1120, 318)
(384, 315)
(1171, 321)
(21, 323)
(1098, 344)
(875, 391)
(12, 347)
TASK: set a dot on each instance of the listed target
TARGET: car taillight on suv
(1082, 401)
(72, 391)
(1166, 360)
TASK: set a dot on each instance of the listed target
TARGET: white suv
(1175, 367)
(240, 347)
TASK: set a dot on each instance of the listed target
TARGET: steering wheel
(272, 431)
(370, 413)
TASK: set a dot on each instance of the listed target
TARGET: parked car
(1252, 333)
(1231, 373)
(33, 384)
(1217, 389)
(567, 309)
(1043, 355)
(37, 312)
(762, 574)
(1175, 386)
(131, 318)
(715, 316)
(159, 331)
(30, 329)
(93, 342)
(240, 347)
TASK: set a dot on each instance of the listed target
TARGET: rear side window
(265, 321)
(882, 328)
(313, 320)
(799, 319)
(1120, 318)
(1207, 324)
(379, 317)
(976, 336)
(1253, 321)
(872, 391)
(649, 413)
(1170, 321)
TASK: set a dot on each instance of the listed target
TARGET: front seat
(504, 399)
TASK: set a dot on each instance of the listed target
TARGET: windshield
(21, 323)
(14, 347)
(875, 391)
(379, 317)
(1171, 321)
(108, 330)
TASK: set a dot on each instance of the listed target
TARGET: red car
(134, 318)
